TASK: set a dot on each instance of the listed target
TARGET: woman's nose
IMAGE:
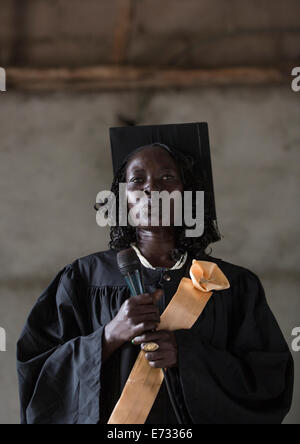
(150, 186)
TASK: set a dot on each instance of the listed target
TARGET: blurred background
(75, 68)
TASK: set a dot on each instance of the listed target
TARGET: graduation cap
(188, 138)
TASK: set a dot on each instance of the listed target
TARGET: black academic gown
(234, 366)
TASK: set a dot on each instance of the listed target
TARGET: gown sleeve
(244, 374)
(59, 357)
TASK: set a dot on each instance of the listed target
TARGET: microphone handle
(136, 286)
(134, 283)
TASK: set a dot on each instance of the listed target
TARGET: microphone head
(128, 261)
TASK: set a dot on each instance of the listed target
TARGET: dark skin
(151, 169)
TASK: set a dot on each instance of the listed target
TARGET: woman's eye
(136, 180)
(167, 177)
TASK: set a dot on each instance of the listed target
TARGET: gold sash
(185, 307)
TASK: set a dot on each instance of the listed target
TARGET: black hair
(122, 236)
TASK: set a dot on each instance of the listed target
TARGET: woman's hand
(166, 355)
(136, 315)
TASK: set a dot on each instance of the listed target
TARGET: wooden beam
(19, 25)
(122, 31)
(103, 78)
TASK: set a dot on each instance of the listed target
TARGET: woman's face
(152, 169)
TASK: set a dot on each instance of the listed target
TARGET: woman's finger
(142, 299)
(154, 356)
(158, 364)
(138, 319)
(146, 337)
(159, 335)
(143, 327)
(145, 309)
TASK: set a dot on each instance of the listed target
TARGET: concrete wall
(55, 158)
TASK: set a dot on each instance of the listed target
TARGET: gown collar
(179, 264)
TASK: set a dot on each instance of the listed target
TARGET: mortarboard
(188, 138)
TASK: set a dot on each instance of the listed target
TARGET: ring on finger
(150, 347)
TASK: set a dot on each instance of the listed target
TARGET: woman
(85, 332)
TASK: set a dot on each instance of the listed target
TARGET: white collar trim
(179, 264)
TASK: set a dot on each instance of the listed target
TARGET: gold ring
(150, 347)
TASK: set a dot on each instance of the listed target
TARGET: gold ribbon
(185, 307)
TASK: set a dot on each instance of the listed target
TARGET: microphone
(130, 267)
